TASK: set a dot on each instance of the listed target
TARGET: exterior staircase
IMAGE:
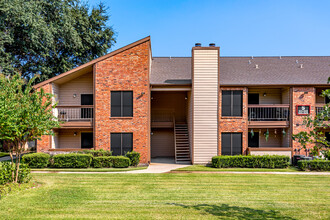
(182, 148)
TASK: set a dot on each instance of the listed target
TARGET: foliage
(72, 160)
(120, 161)
(318, 165)
(36, 160)
(25, 114)
(326, 154)
(316, 126)
(134, 157)
(265, 161)
(97, 153)
(102, 161)
(6, 170)
(51, 37)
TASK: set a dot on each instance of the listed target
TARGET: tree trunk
(12, 163)
(18, 159)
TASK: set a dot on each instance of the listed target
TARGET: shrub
(6, 169)
(318, 165)
(97, 153)
(36, 160)
(72, 160)
(250, 161)
(99, 162)
(134, 158)
(326, 154)
(120, 161)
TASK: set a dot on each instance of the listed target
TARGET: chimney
(198, 44)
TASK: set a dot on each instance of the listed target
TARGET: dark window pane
(116, 104)
(86, 140)
(236, 143)
(127, 144)
(254, 141)
(237, 103)
(327, 100)
(86, 99)
(116, 144)
(253, 98)
(225, 144)
(127, 104)
(327, 136)
(226, 103)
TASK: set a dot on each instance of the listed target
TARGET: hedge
(318, 165)
(251, 161)
(120, 161)
(36, 160)
(97, 153)
(6, 169)
(99, 162)
(72, 160)
(134, 158)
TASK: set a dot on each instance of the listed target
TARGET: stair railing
(174, 137)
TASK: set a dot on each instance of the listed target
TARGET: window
(327, 136)
(86, 140)
(231, 143)
(121, 143)
(121, 104)
(232, 102)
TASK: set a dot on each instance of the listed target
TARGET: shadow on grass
(234, 212)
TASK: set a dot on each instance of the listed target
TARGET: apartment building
(188, 108)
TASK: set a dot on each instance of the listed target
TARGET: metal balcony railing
(74, 113)
(268, 112)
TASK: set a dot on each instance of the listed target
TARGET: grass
(3, 154)
(203, 168)
(90, 169)
(171, 196)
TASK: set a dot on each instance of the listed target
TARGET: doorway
(253, 140)
(86, 140)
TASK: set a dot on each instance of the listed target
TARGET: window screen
(121, 143)
(232, 102)
(121, 104)
(231, 143)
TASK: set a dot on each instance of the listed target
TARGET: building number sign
(303, 109)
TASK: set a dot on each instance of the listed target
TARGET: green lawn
(211, 169)
(3, 154)
(90, 169)
(171, 196)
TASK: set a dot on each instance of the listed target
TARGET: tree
(316, 126)
(51, 37)
(25, 114)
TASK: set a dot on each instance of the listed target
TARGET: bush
(265, 161)
(318, 165)
(97, 153)
(99, 162)
(36, 160)
(72, 160)
(134, 158)
(6, 169)
(326, 154)
(120, 161)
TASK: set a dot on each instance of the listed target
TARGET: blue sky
(239, 27)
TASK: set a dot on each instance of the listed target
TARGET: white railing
(74, 113)
(268, 112)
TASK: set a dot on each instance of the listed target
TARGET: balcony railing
(162, 115)
(268, 112)
(74, 113)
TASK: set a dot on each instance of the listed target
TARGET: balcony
(268, 116)
(75, 116)
(162, 118)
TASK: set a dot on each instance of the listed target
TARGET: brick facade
(126, 71)
(45, 141)
(301, 96)
(234, 124)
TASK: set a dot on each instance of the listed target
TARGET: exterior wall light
(265, 94)
(75, 134)
(74, 95)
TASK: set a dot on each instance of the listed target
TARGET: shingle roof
(242, 70)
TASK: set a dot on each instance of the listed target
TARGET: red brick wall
(235, 124)
(301, 96)
(45, 142)
(128, 70)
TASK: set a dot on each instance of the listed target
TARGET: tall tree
(25, 114)
(49, 37)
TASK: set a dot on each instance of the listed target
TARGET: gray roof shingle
(242, 70)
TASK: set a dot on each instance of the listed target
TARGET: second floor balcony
(277, 115)
(75, 116)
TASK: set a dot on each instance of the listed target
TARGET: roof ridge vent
(301, 66)
(297, 61)
(257, 66)
(252, 57)
(280, 57)
(249, 61)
